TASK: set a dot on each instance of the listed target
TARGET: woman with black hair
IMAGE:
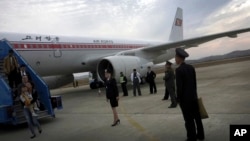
(112, 95)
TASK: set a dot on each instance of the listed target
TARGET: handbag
(203, 112)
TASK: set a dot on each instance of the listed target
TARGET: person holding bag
(187, 97)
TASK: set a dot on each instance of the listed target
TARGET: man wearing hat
(170, 85)
(187, 96)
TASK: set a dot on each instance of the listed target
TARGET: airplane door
(57, 51)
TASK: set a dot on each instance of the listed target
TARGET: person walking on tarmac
(11, 68)
(170, 85)
(187, 96)
(112, 95)
(136, 80)
(123, 82)
(151, 80)
(32, 121)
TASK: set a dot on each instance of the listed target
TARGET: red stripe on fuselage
(47, 46)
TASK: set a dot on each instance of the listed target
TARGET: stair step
(20, 118)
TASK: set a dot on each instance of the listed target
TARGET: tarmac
(86, 116)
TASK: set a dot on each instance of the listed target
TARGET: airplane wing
(194, 42)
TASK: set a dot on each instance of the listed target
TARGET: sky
(149, 20)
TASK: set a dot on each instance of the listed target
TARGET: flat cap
(181, 53)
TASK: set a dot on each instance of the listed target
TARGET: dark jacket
(150, 76)
(34, 96)
(169, 78)
(111, 88)
(186, 83)
(19, 76)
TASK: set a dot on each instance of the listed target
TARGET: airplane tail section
(177, 27)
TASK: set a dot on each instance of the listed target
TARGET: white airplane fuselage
(60, 58)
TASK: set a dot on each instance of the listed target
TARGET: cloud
(229, 16)
(134, 19)
(234, 15)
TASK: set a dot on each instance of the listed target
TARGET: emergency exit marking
(239, 132)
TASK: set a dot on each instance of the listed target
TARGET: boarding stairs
(11, 109)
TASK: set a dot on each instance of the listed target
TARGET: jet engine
(124, 64)
(58, 80)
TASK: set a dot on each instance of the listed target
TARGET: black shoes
(33, 136)
(200, 138)
(197, 139)
(117, 122)
(172, 106)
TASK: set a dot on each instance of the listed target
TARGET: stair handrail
(6, 93)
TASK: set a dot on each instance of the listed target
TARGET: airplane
(56, 58)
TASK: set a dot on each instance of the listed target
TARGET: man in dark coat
(23, 72)
(151, 80)
(170, 84)
(187, 96)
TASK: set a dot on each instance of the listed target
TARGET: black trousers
(171, 92)
(166, 93)
(193, 123)
(152, 87)
(12, 77)
(124, 89)
(136, 85)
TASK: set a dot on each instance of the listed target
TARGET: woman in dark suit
(112, 95)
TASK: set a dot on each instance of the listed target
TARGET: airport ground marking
(135, 124)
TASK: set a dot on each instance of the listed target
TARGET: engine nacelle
(124, 64)
(58, 80)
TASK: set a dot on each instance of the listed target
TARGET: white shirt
(137, 75)
(23, 73)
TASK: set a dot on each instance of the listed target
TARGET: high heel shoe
(117, 122)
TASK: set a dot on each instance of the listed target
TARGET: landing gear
(95, 84)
